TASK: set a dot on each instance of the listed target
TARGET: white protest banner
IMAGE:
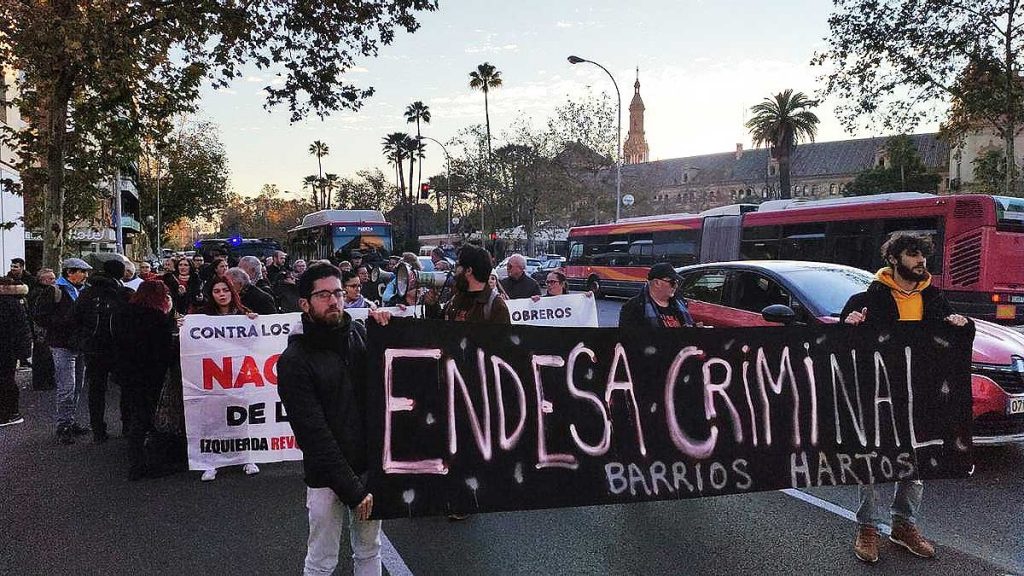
(577, 310)
(233, 414)
(364, 313)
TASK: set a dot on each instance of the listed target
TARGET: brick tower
(635, 151)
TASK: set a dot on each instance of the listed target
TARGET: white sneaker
(251, 469)
(209, 475)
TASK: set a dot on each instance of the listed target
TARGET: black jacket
(193, 291)
(321, 378)
(640, 310)
(94, 312)
(145, 344)
(16, 341)
(257, 300)
(522, 288)
(882, 309)
(55, 311)
(286, 295)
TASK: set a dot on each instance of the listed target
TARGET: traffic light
(424, 191)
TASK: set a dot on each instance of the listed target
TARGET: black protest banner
(478, 418)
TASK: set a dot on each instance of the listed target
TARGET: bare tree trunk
(56, 106)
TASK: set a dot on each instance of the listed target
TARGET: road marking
(391, 559)
(828, 506)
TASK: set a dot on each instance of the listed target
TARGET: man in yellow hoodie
(902, 292)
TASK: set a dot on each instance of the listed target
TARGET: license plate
(1016, 299)
(1015, 406)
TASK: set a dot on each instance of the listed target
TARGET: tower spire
(635, 150)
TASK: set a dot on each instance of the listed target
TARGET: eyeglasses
(673, 282)
(326, 294)
(353, 285)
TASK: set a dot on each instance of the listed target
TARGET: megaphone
(382, 276)
(424, 279)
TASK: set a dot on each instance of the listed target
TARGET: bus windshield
(1009, 210)
(369, 240)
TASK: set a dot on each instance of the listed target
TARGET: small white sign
(628, 200)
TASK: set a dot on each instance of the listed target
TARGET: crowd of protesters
(83, 330)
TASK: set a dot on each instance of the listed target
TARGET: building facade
(817, 170)
(12, 206)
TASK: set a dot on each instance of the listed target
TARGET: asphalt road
(70, 510)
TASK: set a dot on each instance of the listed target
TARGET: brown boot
(908, 536)
(866, 545)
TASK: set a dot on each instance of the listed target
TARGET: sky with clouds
(702, 65)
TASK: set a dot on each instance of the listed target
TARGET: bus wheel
(593, 285)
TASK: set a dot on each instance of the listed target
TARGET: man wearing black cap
(657, 305)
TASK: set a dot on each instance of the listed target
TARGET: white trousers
(326, 520)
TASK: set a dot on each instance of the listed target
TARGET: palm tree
(412, 149)
(311, 182)
(328, 185)
(484, 78)
(416, 112)
(394, 150)
(319, 149)
(780, 122)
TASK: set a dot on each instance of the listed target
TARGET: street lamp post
(618, 140)
(448, 160)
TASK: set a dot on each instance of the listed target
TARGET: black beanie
(114, 269)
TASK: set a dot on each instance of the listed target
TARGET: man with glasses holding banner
(657, 305)
(321, 381)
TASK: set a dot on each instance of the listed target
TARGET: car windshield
(829, 288)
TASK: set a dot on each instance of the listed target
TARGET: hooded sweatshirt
(910, 304)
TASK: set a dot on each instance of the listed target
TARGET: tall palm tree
(319, 149)
(484, 78)
(310, 183)
(416, 112)
(393, 147)
(780, 122)
(413, 150)
(327, 187)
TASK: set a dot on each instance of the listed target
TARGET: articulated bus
(978, 260)
(335, 234)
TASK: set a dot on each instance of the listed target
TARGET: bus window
(677, 247)
(641, 253)
(576, 253)
(616, 253)
(921, 227)
(760, 243)
(854, 243)
(803, 242)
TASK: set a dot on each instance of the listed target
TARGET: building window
(771, 169)
(686, 177)
(832, 189)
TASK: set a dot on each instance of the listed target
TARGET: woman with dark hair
(144, 333)
(184, 284)
(221, 299)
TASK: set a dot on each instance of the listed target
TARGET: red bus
(978, 260)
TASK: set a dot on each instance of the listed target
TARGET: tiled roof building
(818, 170)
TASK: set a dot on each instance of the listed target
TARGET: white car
(532, 264)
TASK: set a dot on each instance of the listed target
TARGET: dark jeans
(8, 389)
(142, 401)
(99, 368)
